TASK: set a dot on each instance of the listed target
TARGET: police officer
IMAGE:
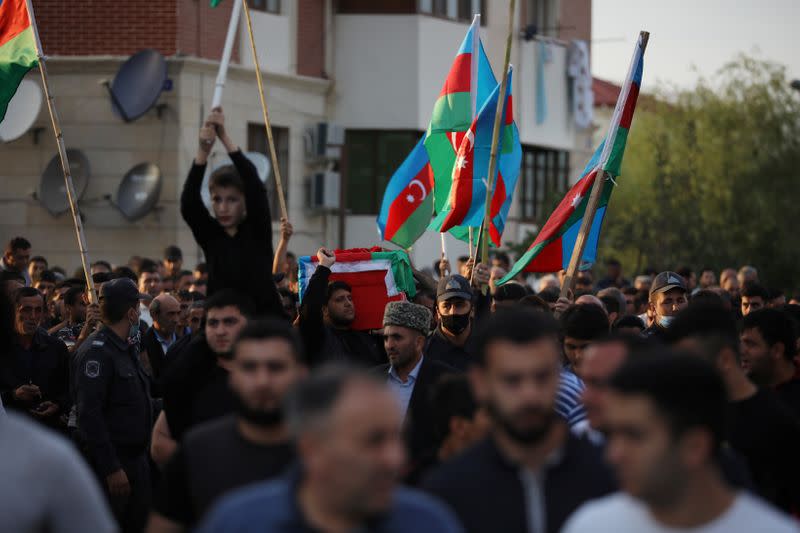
(114, 409)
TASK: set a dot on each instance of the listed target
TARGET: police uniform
(114, 415)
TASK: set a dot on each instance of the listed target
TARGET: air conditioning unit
(324, 141)
(324, 191)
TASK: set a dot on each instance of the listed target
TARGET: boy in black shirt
(237, 241)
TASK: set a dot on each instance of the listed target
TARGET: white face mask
(665, 321)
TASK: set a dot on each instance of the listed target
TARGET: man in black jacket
(409, 374)
(531, 473)
(162, 335)
(34, 377)
(237, 241)
(326, 317)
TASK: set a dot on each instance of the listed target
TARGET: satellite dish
(52, 189)
(23, 110)
(262, 163)
(139, 191)
(138, 84)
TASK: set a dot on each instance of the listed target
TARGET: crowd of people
(162, 399)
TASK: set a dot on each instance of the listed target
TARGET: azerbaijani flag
(466, 202)
(376, 277)
(552, 249)
(408, 202)
(17, 49)
(454, 110)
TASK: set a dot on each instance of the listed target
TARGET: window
(461, 10)
(545, 177)
(371, 158)
(270, 6)
(542, 15)
(257, 142)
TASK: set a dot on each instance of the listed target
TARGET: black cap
(667, 281)
(173, 253)
(122, 291)
(455, 286)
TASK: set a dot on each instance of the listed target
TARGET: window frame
(256, 138)
(543, 173)
(265, 9)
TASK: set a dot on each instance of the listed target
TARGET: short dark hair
(775, 326)
(685, 271)
(707, 296)
(48, 276)
(630, 291)
(686, 390)
(311, 401)
(39, 259)
(18, 243)
(628, 321)
(226, 176)
(550, 294)
(199, 282)
(707, 322)
(752, 290)
(334, 286)
(272, 328)
(123, 271)
(611, 303)
(172, 253)
(201, 267)
(585, 322)
(611, 261)
(463, 258)
(26, 292)
(101, 262)
(183, 273)
(510, 292)
(517, 324)
(707, 269)
(451, 396)
(149, 266)
(102, 277)
(288, 294)
(72, 295)
(230, 297)
(535, 302)
(503, 257)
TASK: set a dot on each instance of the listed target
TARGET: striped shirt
(568, 399)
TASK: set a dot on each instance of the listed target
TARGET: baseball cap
(122, 290)
(666, 281)
(454, 286)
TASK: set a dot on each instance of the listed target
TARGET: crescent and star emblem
(410, 196)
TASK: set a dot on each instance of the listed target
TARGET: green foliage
(711, 176)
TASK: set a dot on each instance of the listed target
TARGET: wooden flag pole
(273, 155)
(597, 186)
(583, 233)
(498, 117)
(62, 154)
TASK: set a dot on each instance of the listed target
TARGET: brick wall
(122, 27)
(106, 27)
(202, 29)
(311, 38)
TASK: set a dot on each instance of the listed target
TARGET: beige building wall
(113, 147)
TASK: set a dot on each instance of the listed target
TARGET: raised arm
(312, 325)
(283, 246)
(193, 210)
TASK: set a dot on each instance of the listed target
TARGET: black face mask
(455, 324)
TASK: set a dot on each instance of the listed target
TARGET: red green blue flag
(552, 249)
(421, 184)
(17, 49)
(375, 276)
(466, 202)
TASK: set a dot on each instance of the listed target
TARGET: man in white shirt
(665, 418)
